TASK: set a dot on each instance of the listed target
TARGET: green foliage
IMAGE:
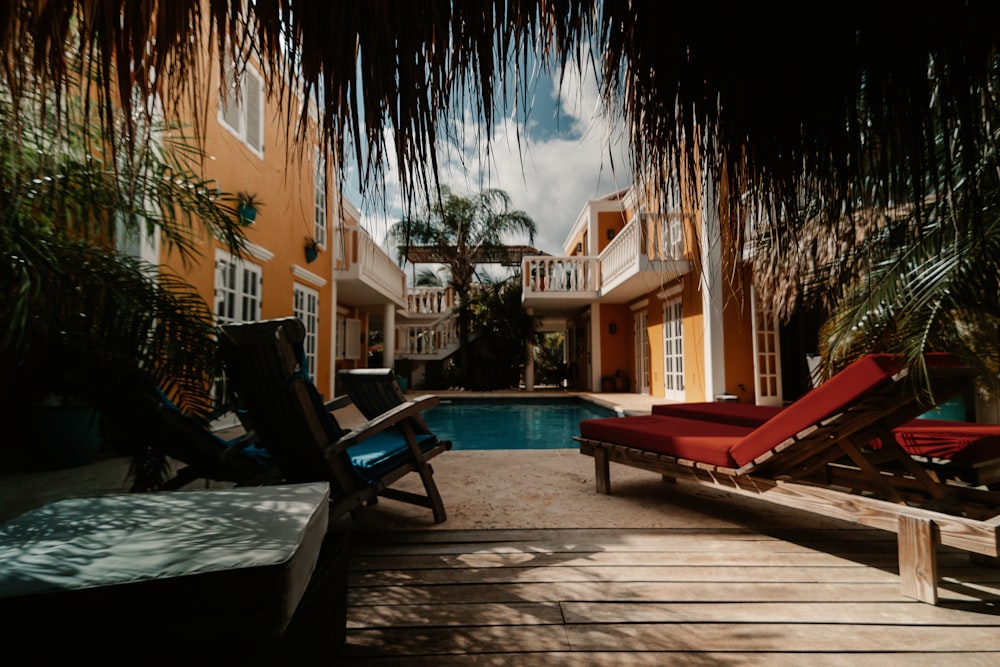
(77, 315)
(549, 365)
(462, 230)
(932, 286)
(906, 280)
(428, 278)
(503, 330)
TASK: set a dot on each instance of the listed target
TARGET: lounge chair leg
(918, 559)
(437, 505)
(602, 470)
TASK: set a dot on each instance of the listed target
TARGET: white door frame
(766, 353)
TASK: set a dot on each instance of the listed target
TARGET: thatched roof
(847, 104)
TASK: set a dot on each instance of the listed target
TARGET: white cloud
(560, 164)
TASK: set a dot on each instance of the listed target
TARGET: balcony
(429, 303)
(648, 252)
(366, 276)
(559, 284)
(435, 340)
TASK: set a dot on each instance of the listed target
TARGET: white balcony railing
(430, 340)
(367, 262)
(652, 236)
(430, 300)
(647, 238)
(560, 274)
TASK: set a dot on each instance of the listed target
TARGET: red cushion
(935, 438)
(734, 434)
(692, 439)
(942, 439)
(828, 399)
(737, 414)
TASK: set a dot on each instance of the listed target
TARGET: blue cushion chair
(304, 440)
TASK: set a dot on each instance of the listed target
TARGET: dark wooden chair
(145, 415)
(817, 455)
(305, 441)
(374, 391)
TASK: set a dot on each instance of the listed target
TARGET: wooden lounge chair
(816, 455)
(303, 438)
(144, 409)
(374, 391)
(952, 450)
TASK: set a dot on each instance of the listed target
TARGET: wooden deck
(660, 596)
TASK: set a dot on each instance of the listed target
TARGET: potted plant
(247, 205)
(312, 249)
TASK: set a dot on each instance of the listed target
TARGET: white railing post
(559, 274)
(621, 252)
(429, 300)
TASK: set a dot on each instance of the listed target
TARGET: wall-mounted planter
(247, 206)
(312, 252)
(247, 214)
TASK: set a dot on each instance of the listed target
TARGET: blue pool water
(512, 423)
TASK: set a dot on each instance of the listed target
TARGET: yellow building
(654, 302)
(307, 254)
(650, 301)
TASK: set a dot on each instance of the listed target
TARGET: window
(241, 108)
(767, 357)
(305, 306)
(349, 339)
(641, 321)
(319, 202)
(237, 289)
(673, 350)
(674, 238)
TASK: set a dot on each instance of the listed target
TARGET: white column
(389, 335)
(595, 347)
(711, 293)
(529, 364)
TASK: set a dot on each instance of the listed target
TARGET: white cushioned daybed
(222, 570)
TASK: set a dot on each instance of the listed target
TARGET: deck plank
(645, 597)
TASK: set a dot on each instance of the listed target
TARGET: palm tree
(905, 280)
(926, 288)
(461, 232)
(77, 316)
(503, 331)
(428, 278)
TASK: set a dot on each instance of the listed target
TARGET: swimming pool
(543, 423)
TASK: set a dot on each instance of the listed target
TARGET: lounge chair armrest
(337, 403)
(387, 419)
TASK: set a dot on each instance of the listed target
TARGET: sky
(570, 153)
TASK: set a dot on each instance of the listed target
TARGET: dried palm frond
(848, 109)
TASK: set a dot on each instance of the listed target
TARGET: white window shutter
(352, 339)
(231, 107)
(253, 95)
